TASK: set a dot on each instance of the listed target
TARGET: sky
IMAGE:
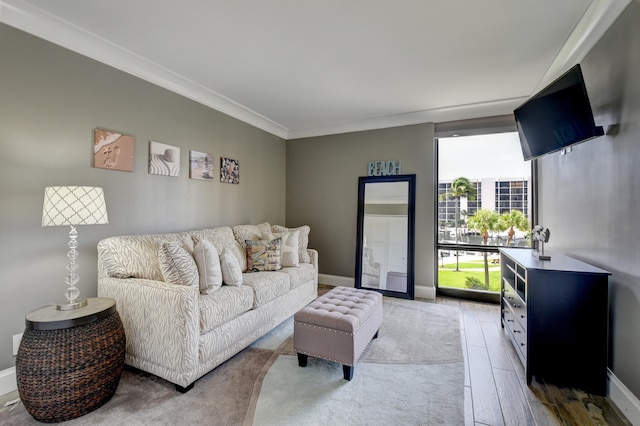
(475, 157)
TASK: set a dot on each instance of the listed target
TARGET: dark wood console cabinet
(556, 314)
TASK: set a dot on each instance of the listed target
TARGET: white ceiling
(299, 68)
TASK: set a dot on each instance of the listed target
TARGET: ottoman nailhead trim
(317, 327)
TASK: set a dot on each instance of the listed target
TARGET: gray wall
(590, 198)
(50, 101)
(322, 191)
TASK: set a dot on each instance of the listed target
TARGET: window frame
(472, 127)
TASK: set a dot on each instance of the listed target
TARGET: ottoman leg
(347, 370)
(302, 360)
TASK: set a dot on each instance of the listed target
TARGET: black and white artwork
(164, 159)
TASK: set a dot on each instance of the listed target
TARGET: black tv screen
(558, 116)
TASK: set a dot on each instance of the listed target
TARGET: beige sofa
(178, 328)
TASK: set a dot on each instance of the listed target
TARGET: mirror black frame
(411, 227)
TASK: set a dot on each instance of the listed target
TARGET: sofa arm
(313, 254)
(161, 321)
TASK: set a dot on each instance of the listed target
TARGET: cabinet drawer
(517, 332)
(508, 319)
(519, 308)
(520, 340)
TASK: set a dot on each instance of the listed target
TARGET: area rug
(413, 373)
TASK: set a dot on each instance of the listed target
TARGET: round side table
(69, 362)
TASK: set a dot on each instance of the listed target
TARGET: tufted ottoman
(338, 326)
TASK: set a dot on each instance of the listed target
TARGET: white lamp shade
(74, 205)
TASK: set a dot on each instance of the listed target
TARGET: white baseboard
(622, 397)
(337, 280)
(425, 292)
(8, 381)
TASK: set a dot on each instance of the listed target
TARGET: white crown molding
(19, 14)
(35, 21)
(458, 112)
(594, 23)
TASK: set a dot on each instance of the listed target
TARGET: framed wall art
(200, 165)
(113, 150)
(164, 159)
(229, 170)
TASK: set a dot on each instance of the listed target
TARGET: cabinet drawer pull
(516, 331)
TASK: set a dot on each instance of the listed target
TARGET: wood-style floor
(496, 392)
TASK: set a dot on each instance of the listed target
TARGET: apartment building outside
(499, 194)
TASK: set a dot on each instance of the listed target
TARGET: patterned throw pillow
(263, 255)
(177, 265)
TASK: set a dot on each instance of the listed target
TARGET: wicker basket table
(69, 362)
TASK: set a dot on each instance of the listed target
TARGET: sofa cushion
(222, 237)
(224, 305)
(177, 264)
(266, 285)
(208, 262)
(136, 256)
(231, 272)
(250, 232)
(300, 275)
(303, 240)
(288, 248)
(263, 255)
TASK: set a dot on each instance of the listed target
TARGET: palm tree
(484, 221)
(514, 219)
(460, 187)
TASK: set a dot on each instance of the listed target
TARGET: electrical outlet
(16, 343)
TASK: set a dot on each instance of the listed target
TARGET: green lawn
(454, 279)
(468, 265)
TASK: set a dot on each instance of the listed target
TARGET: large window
(484, 202)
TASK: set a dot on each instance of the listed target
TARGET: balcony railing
(469, 271)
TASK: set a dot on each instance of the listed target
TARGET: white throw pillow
(208, 262)
(231, 272)
(289, 256)
(303, 241)
(177, 264)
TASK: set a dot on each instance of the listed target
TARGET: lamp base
(72, 305)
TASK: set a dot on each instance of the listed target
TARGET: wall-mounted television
(558, 116)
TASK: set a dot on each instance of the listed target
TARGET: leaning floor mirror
(386, 235)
